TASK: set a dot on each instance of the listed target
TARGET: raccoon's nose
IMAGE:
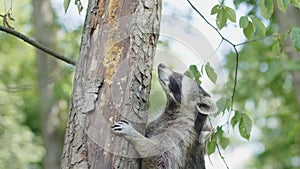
(161, 65)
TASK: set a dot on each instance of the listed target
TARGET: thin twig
(230, 43)
(234, 48)
(37, 45)
(217, 48)
(262, 38)
(218, 147)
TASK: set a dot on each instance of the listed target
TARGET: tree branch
(38, 45)
(262, 38)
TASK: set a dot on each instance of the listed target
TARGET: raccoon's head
(185, 91)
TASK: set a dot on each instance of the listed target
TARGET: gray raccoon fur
(172, 140)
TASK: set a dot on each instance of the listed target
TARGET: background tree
(44, 25)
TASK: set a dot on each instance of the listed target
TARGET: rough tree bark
(112, 81)
(44, 32)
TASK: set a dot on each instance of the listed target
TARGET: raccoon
(172, 140)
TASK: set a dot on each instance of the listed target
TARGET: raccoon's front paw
(122, 127)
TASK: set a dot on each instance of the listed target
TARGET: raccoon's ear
(206, 105)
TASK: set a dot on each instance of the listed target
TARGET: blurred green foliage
(20, 130)
(265, 91)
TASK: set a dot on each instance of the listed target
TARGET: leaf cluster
(223, 105)
(196, 75)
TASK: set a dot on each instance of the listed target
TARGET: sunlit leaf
(249, 30)
(66, 4)
(215, 9)
(221, 18)
(245, 126)
(224, 141)
(266, 8)
(211, 73)
(202, 68)
(230, 14)
(283, 4)
(260, 29)
(194, 73)
(295, 36)
(211, 145)
(236, 118)
(228, 103)
(244, 21)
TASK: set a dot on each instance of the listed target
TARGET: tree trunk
(44, 32)
(285, 21)
(112, 82)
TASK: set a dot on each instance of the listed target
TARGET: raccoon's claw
(124, 121)
(121, 127)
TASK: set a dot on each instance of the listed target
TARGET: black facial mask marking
(199, 122)
(175, 86)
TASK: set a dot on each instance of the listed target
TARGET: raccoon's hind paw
(122, 127)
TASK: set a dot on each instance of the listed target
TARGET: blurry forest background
(35, 89)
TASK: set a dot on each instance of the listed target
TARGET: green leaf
(211, 73)
(193, 73)
(79, 5)
(283, 4)
(244, 21)
(224, 141)
(266, 8)
(202, 68)
(230, 14)
(245, 126)
(219, 131)
(295, 36)
(221, 18)
(66, 5)
(211, 145)
(228, 103)
(221, 104)
(215, 9)
(260, 29)
(236, 118)
(249, 30)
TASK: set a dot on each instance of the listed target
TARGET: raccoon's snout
(161, 65)
(162, 73)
